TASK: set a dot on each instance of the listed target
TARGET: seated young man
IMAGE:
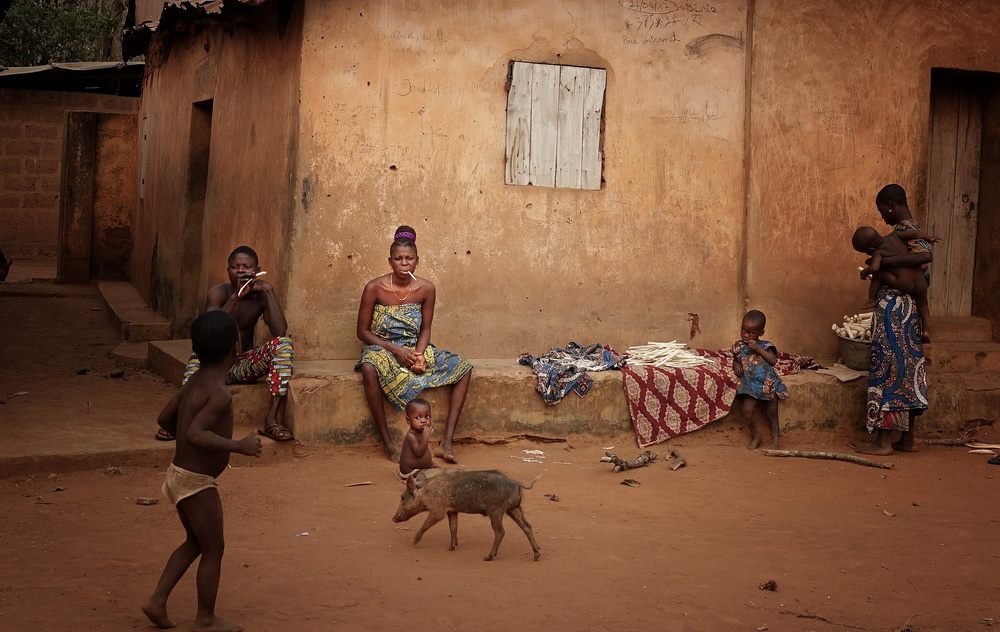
(249, 298)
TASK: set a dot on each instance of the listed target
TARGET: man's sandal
(276, 432)
(163, 435)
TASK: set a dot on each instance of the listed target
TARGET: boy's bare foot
(157, 613)
(443, 452)
(754, 443)
(392, 452)
(218, 624)
(774, 445)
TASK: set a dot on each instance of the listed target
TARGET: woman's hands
(409, 359)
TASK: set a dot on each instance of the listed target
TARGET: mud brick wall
(31, 137)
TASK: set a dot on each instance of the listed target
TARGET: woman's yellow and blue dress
(400, 325)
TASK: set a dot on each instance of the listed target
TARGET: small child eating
(753, 363)
(416, 456)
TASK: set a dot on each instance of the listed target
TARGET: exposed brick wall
(31, 134)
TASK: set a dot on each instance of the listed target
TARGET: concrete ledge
(168, 358)
(326, 401)
(130, 314)
(965, 357)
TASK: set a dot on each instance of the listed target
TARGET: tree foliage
(36, 32)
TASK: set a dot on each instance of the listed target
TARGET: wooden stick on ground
(834, 456)
(630, 464)
(944, 441)
(809, 615)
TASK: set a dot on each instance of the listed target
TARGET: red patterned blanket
(667, 402)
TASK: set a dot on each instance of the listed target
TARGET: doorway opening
(963, 193)
(191, 292)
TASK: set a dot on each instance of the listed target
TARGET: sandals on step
(276, 432)
(163, 435)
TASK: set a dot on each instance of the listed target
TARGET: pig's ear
(410, 484)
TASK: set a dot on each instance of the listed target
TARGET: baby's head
(418, 413)
(866, 239)
(753, 325)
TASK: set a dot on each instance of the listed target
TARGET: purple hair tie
(408, 235)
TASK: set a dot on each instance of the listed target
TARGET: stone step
(962, 357)
(129, 314)
(327, 403)
(960, 329)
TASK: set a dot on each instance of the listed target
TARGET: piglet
(441, 492)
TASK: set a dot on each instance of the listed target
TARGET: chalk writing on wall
(351, 113)
(410, 86)
(701, 113)
(658, 21)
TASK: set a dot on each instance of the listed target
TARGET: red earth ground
(915, 547)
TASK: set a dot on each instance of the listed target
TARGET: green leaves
(38, 32)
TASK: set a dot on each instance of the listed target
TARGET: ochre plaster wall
(839, 107)
(403, 122)
(191, 216)
(32, 123)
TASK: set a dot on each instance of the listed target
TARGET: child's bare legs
(749, 404)
(373, 394)
(177, 564)
(201, 515)
(920, 298)
(455, 404)
(873, 289)
(204, 513)
(772, 418)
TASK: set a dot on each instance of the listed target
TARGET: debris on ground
(3, 400)
(628, 464)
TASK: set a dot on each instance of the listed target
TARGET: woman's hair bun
(405, 235)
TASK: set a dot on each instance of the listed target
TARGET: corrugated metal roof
(103, 77)
(176, 10)
(75, 66)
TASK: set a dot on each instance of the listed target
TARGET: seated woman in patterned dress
(394, 320)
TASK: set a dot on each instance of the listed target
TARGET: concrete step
(326, 401)
(960, 329)
(130, 314)
(962, 357)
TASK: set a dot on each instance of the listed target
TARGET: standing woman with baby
(394, 321)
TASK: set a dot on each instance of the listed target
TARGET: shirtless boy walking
(248, 298)
(200, 415)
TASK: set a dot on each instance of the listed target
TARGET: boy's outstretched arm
(200, 433)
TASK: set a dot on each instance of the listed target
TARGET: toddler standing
(753, 363)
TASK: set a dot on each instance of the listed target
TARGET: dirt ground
(848, 547)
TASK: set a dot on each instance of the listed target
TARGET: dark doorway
(191, 294)
(963, 192)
